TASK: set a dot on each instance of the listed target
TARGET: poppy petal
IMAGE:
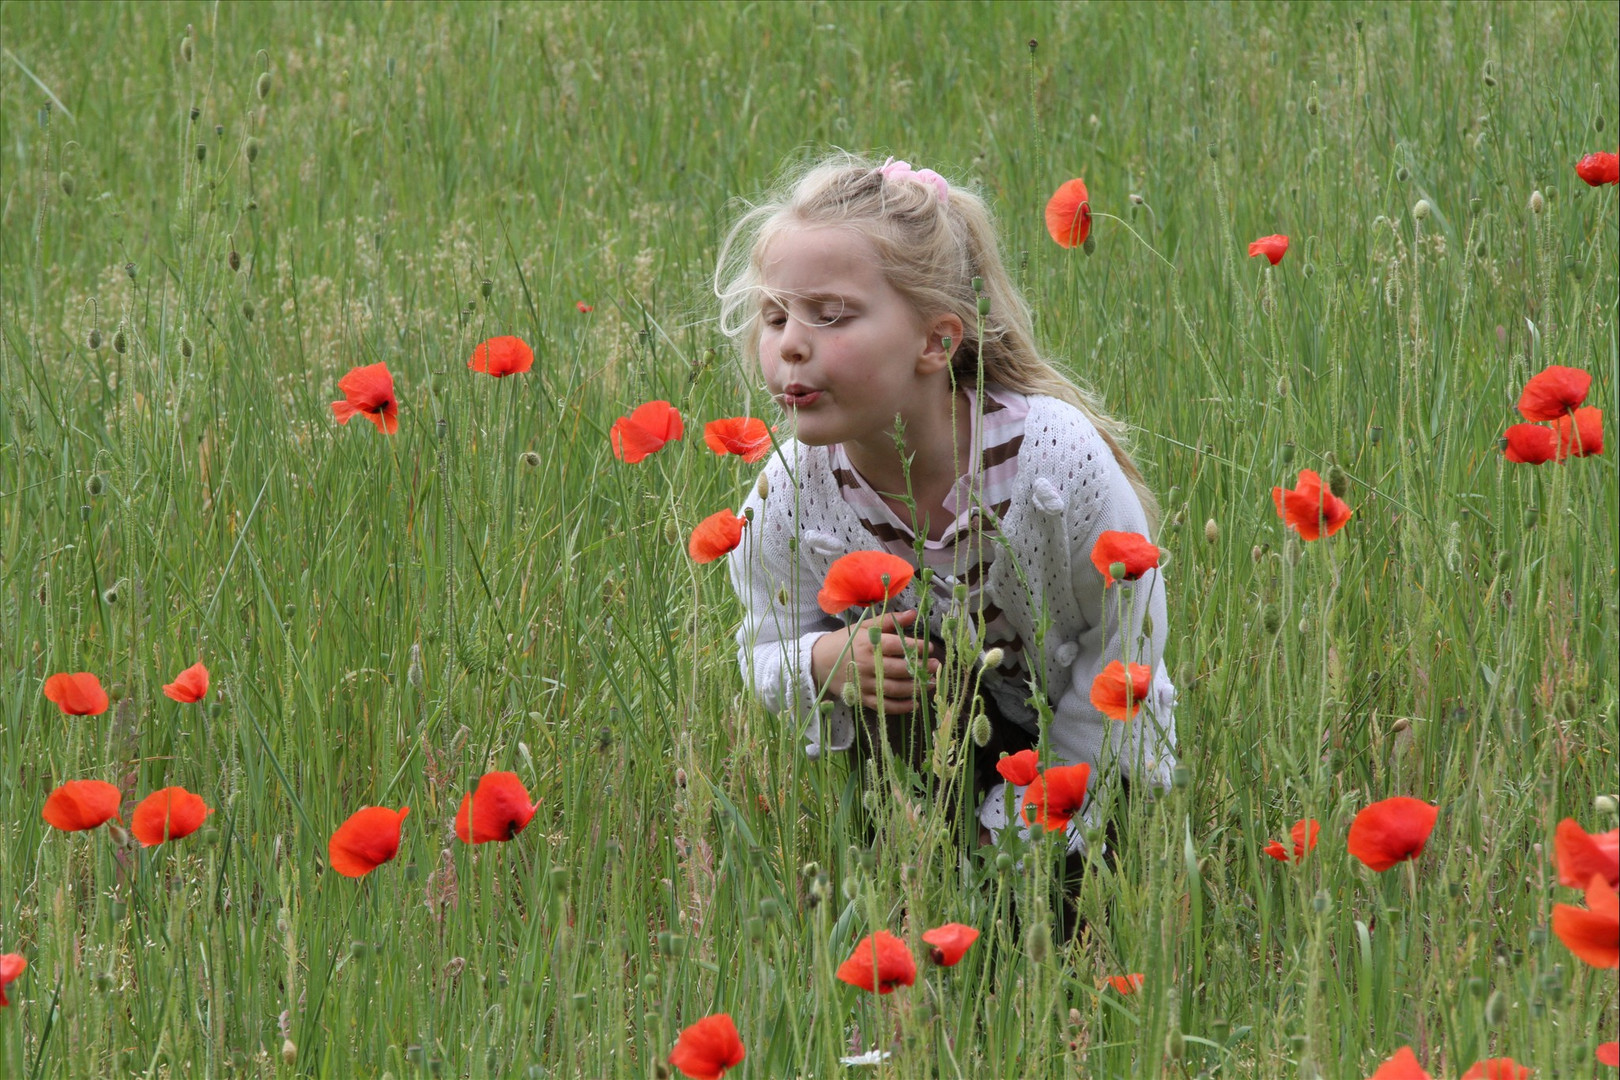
(1272, 247)
(81, 804)
(1581, 854)
(706, 1049)
(12, 965)
(190, 685)
(1068, 214)
(369, 838)
(950, 942)
(1391, 831)
(1554, 391)
(1599, 169)
(1500, 1068)
(1402, 1065)
(746, 436)
(1056, 796)
(497, 810)
(1530, 444)
(857, 580)
(880, 963)
(1020, 768)
(1593, 932)
(1117, 695)
(1131, 550)
(77, 694)
(716, 535)
(1310, 508)
(167, 814)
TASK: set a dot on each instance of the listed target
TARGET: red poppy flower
(1593, 932)
(583, 308)
(1129, 549)
(367, 840)
(500, 356)
(1581, 854)
(1391, 831)
(81, 804)
(857, 580)
(1056, 795)
(1303, 835)
(190, 685)
(1530, 444)
(1599, 169)
(1580, 435)
(715, 536)
(1272, 247)
(1068, 214)
(1020, 768)
(78, 694)
(949, 942)
(645, 431)
(369, 391)
(1553, 392)
(745, 436)
(1117, 696)
(881, 956)
(168, 814)
(708, 1048)
(1310, 508)
(1502, 1068)
(12, 965)
(1403, 1065)
(1124, 984)
(498, 809)
(1608, 1053)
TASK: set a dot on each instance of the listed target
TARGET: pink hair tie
(902, 170)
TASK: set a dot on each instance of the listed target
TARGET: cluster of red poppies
(1562, 426)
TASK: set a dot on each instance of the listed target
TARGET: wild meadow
(210, 213)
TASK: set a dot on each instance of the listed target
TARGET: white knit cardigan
(1068, 491)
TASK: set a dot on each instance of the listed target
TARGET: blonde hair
(930, 251)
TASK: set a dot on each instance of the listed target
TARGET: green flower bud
(251, 149)
(1496, 1009)
(1090, 245)
(262, 87)
(65, 182)
(93, 339)
(234, 260)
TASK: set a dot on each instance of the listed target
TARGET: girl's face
(841, 350)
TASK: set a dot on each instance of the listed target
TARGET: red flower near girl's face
(1272, 247)
(1502, 1068)
(168, 814)
(1530, 444)
(190, 685)
(706, 1049)
(368, 391)
(1056, 795)
(1020, 768)
(78, 694)
(501, 356)
(1303, 835)
(1118, 694)
(880, 963)
(861, 579)
(950, 942)
(1402, 1065)
(1128, 549)
(745, 436)
(12, 965)
(645, 431)
(81, 804)
(1581, 854)
(1553, 392)
(1124, 985)
(367, 840)
(1608, 1053)
(1068, 214)
(1310, 508)
(1580, 435)
(715, 535)
(1391, 831)
(583, 308)
(1599, 169)
(1593, 932)
(498, 809)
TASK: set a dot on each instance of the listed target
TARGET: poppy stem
(1126, 226)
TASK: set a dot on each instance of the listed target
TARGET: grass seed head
(1537, 202)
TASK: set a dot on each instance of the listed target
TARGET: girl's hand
(841, 657)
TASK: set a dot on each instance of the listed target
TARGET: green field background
(388, 618)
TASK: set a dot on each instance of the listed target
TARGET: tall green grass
(1456, 642)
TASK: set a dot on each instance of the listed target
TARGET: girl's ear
(944, 335)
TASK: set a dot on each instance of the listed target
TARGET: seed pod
(984, 305)
(195, 112)
(262, 87)
(65, 182)
(1214, 151)
(1039, 942)
(1287, 452)
(202, 152)
(486, 287)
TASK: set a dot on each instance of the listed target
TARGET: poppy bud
(1287, 453)
(289, 1051)
(94, 485)
(93, 339)
(1421, 209)
(1282, 386)
(764, 489)
(65, 182)
(672, 533)
(1212, 531)
(1322, 902)
(1039, 943)
(851, 887)
(1256, 552)
(531, 459)
(1402, 175)
(992, 658)
(252, 204)
(1312, 106)
(1605, 804)
(120, 341)
(84, 513)
(247, 310)
(1175, 1045)
(1338, 481)
(1004, 863)
(1090, 245)
(1531, 516)
(981, 730)
(1214, 151)
(1271, 619)
(870, 801)
(262, 87)
(1537, 203)
(1476, 986)
(1310, 270)
(234, 260)
(186, 51)
(186, 348)
(202, 151)
(851, 694)
(1496, 1008)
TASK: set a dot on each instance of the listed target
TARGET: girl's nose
(794, 343)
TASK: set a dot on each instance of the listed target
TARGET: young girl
(959, 450)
